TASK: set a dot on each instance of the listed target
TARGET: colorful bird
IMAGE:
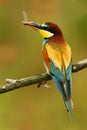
(57, 59)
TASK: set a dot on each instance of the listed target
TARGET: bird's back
(57, 59)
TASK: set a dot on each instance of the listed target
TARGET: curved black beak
(32, 24)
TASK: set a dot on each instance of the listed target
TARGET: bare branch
(80, 66)
(12, 84)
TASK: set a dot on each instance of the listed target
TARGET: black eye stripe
(52, 30)
(45, 28)
(49, 29)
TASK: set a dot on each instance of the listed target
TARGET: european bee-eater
(57, 59)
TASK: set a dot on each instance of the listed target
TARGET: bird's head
(47, 29)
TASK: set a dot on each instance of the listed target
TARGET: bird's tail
(69, 107)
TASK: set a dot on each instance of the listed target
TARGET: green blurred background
(31, 108)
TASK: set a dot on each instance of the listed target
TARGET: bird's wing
(60, 58)
(67, 58)
(53, 60)
(58, 64)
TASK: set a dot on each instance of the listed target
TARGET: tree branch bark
(12, 84)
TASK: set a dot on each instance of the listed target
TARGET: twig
(80, 65)
(12, 84)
